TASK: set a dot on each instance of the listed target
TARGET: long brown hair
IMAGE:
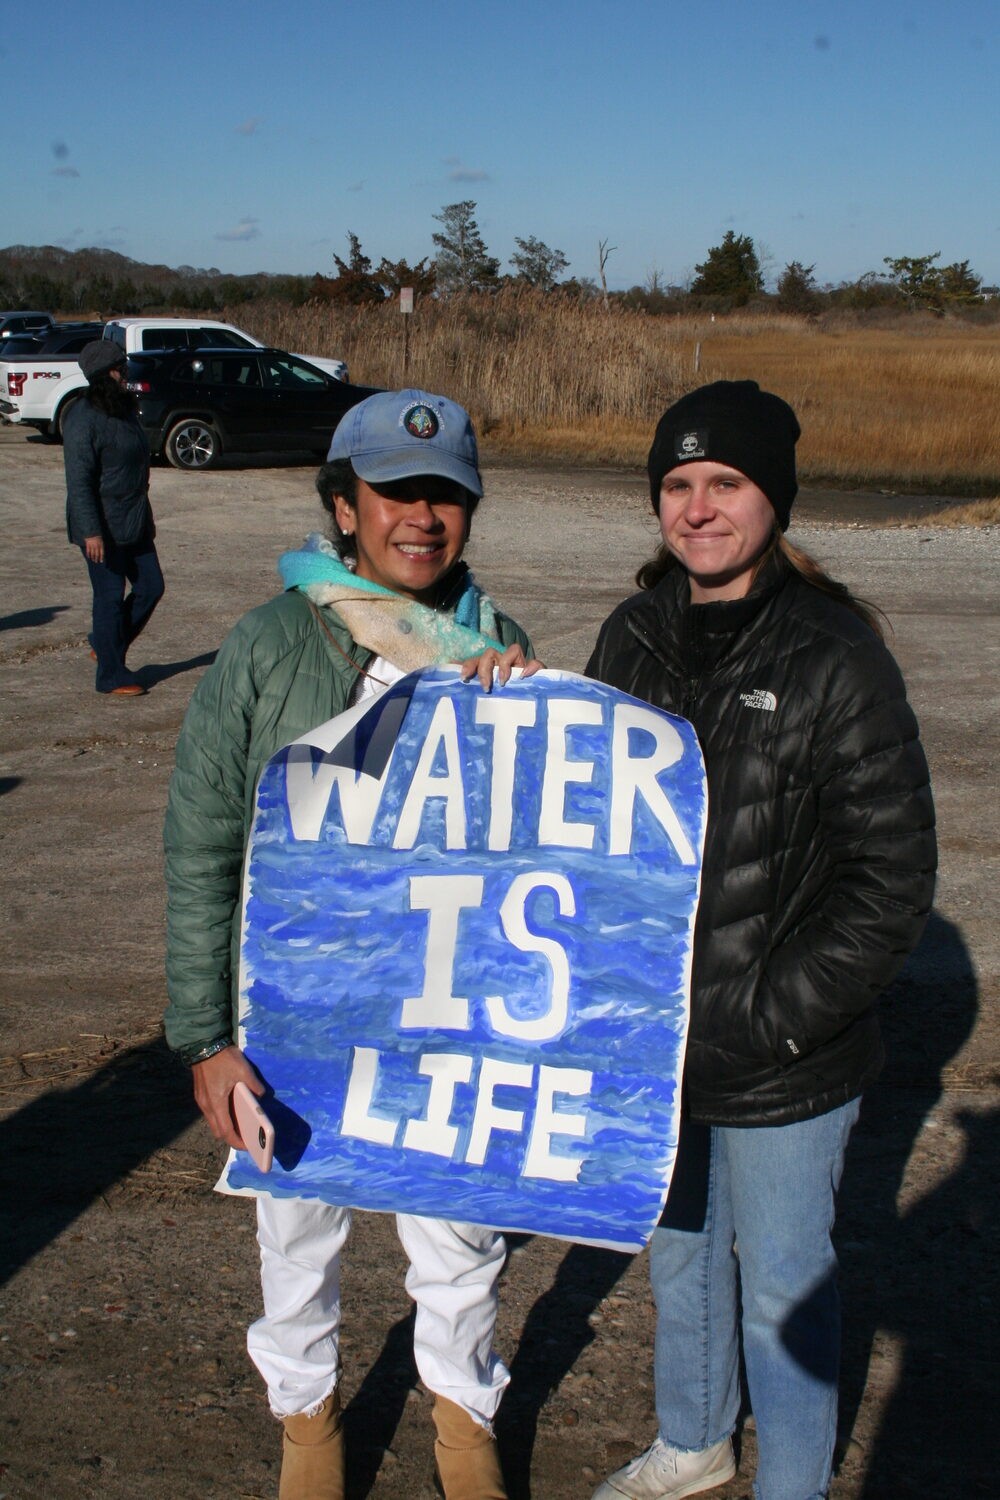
(110, 397)
(808, 569)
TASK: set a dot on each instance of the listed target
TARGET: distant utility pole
(603, 251)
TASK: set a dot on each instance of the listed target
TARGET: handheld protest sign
(466, 954)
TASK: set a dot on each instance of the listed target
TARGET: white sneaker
(663, 1473)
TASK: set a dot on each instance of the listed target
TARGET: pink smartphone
(254, 1127)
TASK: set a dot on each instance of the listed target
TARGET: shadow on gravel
(927, 1276)
(373, 1415)
(154, 672)
(26, 618)
(65, 1149)
(9, 783)
(556, 1332)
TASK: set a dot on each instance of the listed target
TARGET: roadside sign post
(405, 307)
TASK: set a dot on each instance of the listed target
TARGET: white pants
(452, 1278)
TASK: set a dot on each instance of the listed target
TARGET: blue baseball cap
(403, 434)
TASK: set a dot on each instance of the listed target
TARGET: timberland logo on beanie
(735, 423)
(688, 445)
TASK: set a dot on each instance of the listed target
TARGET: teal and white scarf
(402, 631)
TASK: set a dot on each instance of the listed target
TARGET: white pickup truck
(38, 390)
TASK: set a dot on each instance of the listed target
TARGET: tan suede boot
(467, 1463)
(312, 1455)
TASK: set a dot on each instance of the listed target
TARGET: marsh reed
(909, 405)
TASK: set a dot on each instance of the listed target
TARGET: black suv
(196, 404)
(23, 322)
(62, 338)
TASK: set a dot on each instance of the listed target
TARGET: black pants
(118, 619)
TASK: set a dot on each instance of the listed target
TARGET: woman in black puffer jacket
(817, 880)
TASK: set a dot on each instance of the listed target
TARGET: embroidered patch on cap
(691, 444)
(420, 421)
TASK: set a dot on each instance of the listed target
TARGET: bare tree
(603, 251)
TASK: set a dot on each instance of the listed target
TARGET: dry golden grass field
(910, 405)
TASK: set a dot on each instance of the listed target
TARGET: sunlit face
(716, 522)
(409, 534)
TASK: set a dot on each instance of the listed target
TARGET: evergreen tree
(395, 274)
(355, 282)
(731, 270)
(797, 291)
(536, 264)
(462, 262)
(960, 287)
(917, 277)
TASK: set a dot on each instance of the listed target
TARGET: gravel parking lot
(127, 1283)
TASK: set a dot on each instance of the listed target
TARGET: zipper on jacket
(689, 697)
(691, 685)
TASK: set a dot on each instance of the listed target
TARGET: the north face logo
(759, 698)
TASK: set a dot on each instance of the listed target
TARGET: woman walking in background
(817, 880)
(108, 515)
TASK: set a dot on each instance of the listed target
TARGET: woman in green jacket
(401, 484)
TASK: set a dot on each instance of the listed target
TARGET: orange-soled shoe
(127, 690)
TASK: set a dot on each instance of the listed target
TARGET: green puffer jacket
(277, 675)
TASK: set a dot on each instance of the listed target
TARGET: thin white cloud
(469, 174)
(249, 126)
(246, 229)
(65, 172)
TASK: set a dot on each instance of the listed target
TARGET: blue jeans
(117, 620)
(755, 1226)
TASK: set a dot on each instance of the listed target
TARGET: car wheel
(192, 444)
(57, 429)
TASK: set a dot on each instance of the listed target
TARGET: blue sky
(252, 136)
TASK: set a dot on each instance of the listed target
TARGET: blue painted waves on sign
(487, 884)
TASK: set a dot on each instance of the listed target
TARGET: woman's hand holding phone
(214, 1081)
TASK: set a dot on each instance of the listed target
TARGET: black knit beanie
(732, 422)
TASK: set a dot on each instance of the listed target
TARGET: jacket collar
(698, 637)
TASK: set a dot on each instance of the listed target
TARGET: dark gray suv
(24, 322)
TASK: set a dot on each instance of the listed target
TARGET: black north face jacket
(820, 852)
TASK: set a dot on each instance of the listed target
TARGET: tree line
(731, 276)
